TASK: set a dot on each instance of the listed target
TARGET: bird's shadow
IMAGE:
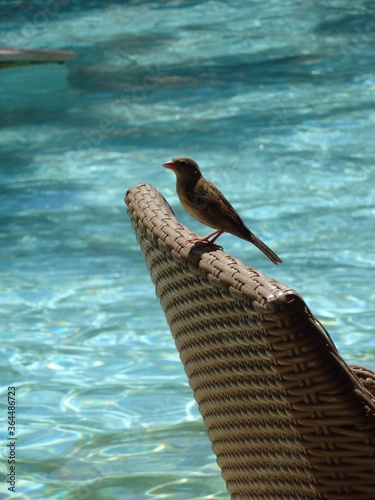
(199, 248)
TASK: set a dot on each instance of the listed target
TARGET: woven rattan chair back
(287, 418)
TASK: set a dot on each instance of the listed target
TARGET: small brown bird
(203, 201)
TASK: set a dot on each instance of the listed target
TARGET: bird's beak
(168, 164)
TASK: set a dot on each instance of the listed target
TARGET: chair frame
(287, 417)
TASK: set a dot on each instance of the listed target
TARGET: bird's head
(184, 168)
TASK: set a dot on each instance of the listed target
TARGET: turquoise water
(276, 102)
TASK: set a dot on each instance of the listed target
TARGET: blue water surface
(276, 102)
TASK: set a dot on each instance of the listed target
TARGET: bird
(205, 203)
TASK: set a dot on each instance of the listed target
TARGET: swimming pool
(276, 103)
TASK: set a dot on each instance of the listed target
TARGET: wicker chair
(287, 417)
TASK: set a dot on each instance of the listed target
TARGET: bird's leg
(215, 235)
(206, 240)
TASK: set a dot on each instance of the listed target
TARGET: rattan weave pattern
(287, 418)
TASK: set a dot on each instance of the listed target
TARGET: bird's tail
(265, 249)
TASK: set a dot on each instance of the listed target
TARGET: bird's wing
(213, 208)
